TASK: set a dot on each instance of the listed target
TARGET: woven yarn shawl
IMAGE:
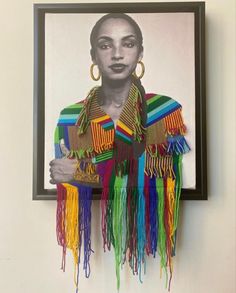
(137, 164)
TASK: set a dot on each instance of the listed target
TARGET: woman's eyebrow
(128, 37)
(106, 38)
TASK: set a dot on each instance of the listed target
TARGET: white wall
(29, 255)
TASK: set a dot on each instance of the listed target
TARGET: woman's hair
(130, 20)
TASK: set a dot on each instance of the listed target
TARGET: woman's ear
(92, 54)
(140, 55)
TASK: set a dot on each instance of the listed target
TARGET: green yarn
(178, 185)
(161, 225)
(57, 135)
(110, 236)
(118, 207)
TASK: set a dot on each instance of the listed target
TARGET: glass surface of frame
(174, 58)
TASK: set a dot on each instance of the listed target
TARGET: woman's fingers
(59, 178)
(52, 181)
(63, 148)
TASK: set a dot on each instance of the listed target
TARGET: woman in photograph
(127, 142)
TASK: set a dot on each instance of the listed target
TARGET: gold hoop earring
(92, 75)
(142, 72)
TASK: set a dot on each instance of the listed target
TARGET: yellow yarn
(71, 220)
(171, 200)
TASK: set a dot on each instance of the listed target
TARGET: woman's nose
(117, 53)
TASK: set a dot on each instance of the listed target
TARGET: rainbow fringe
(141, 221)
(74, 224)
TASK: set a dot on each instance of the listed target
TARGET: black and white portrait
(167, 54)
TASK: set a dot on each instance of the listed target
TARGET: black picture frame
(40, 10)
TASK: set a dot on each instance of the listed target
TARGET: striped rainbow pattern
(70, 115)
(158, 107)
(105, 122)
(123, 132)
(103, 133)
(107, 155)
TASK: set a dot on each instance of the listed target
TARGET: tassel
(167, 215)
(161, 230)
(85, 202)
(106, 203)
(178, 186)
(141, 239)
(81, 153)
(153, 216)
(132, 229)
(141, 217)
(119, 231)
(60, 221)
(123, 152)
(159, 166)
(67, 221)
(177, 145)
(124, 223)
(174, 124)
(147, 215)
(108, 165)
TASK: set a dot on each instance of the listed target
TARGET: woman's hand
(62, 170)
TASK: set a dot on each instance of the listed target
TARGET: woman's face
(117, 50)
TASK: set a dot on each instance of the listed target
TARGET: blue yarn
(141, 235)
(66, 138)
(177, 145)
(85, 202)
(58, 153)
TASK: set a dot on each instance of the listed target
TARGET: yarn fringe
(81, 153)
(161, 167)
(60, 222)
(139, 129)
(74, 224)
(174, 124)
(83, 121)
(140, 222)
(103, 140)
(176, 145)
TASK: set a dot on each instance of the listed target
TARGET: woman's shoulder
(70, 114)
(159, 106)
(73, 108)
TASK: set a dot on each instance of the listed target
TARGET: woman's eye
(104, 46)
(129, 44)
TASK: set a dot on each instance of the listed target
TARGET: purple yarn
(101, 169)
(85, 202)
(153, 215)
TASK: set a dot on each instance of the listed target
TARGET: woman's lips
(118, 67)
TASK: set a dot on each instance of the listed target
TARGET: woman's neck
(115, 92)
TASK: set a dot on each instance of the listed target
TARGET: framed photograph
(174, 58)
